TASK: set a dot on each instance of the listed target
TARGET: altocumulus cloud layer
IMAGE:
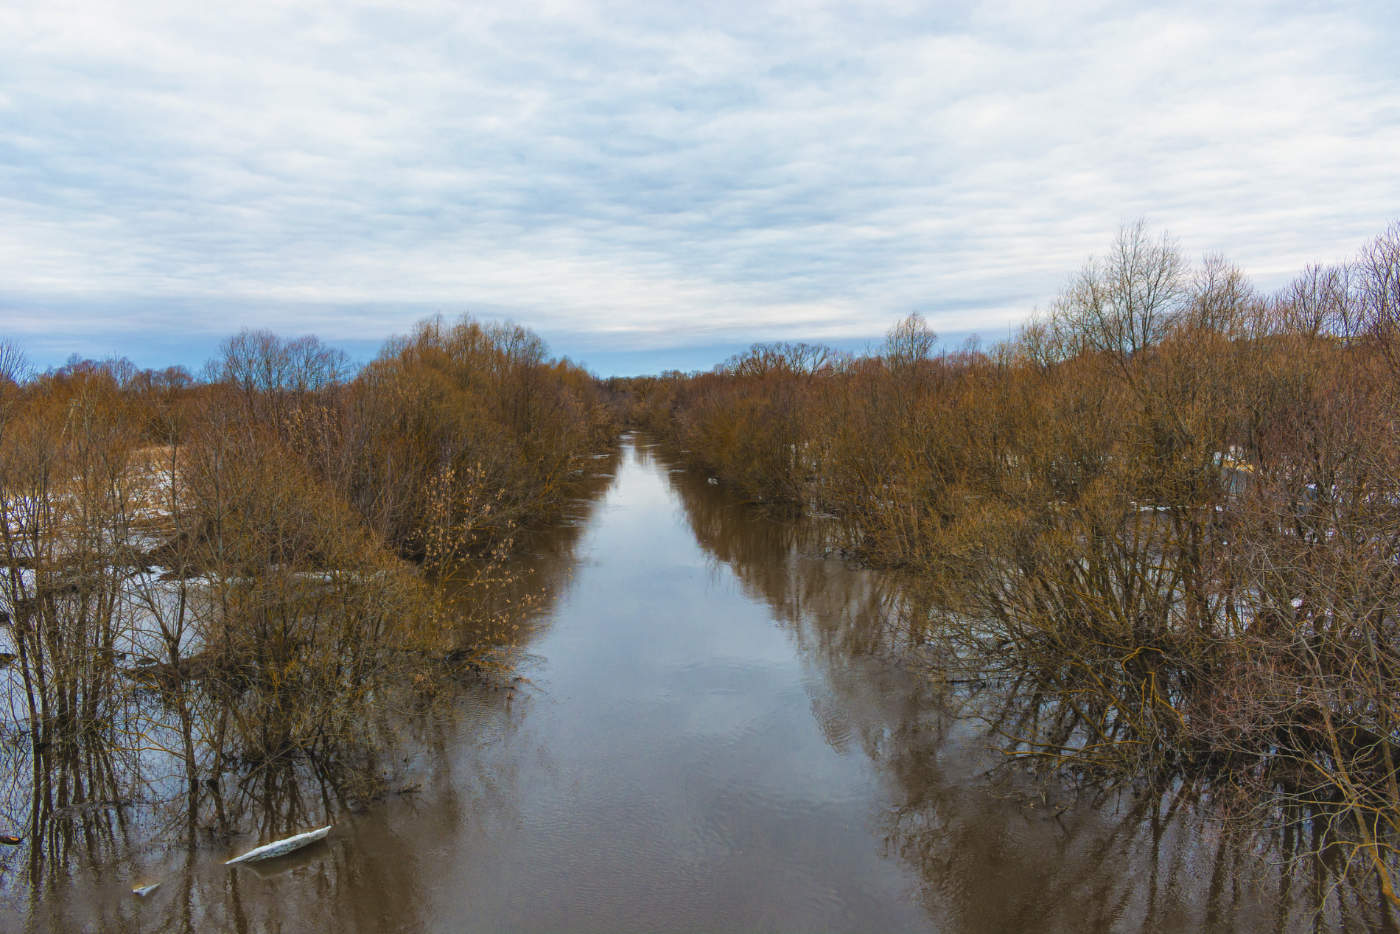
(627, 177)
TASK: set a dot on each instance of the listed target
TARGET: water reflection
(717, 729)
(994, 850)
(110, 808)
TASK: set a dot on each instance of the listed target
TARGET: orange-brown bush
(1168, 513)
(238, 573)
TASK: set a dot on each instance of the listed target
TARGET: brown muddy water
(716, 734)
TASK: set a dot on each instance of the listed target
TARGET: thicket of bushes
(214, 577)
(1168, 513)
(1150, 859)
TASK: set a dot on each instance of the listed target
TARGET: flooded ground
(713, 733)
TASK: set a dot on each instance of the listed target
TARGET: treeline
(1167, 513)
(228, 575)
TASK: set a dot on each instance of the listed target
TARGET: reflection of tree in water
(109, 805)
(996, 850)
(366, 878)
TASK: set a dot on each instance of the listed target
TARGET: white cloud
(806, 169)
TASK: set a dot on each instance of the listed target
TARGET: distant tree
(1127, 301)
(909, 343)
(1319, 301)
(1378, 282)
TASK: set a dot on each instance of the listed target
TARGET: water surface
(714, 732)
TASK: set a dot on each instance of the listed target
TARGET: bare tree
(1378, 283)
(1125, 303)
(1320, 302)
(910, 343)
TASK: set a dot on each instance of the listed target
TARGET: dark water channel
(715, 735)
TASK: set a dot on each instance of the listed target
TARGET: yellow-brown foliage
(1169, 512)
(240, 573)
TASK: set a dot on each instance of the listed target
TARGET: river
(712, 731)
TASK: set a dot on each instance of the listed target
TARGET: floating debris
(144, 890)
(281, 847)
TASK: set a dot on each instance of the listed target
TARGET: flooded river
(714, 732)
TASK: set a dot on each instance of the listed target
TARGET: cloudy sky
(653, 184)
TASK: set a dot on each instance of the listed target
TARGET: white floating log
(281, 847)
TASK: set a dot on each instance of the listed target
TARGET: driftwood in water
(281, 847)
